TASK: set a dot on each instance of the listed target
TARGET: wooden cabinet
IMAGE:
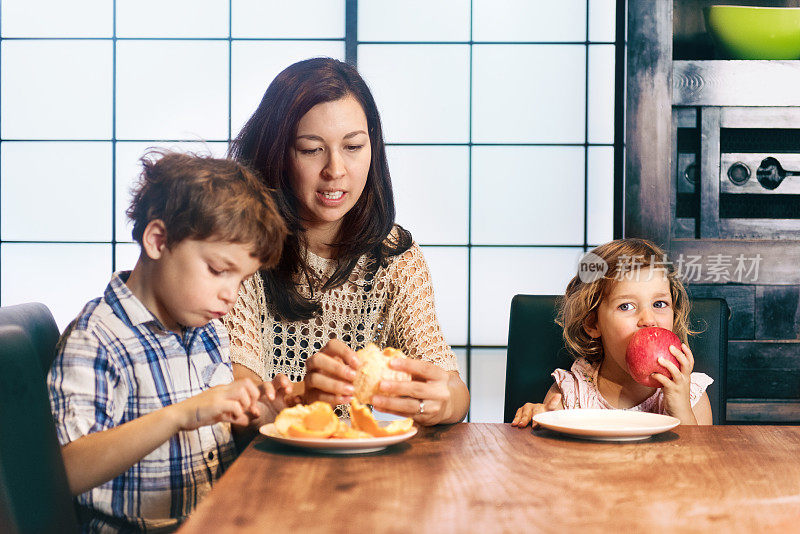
(698, 131)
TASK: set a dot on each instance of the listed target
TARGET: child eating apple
(599, 316)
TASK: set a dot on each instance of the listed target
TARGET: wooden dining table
(474, 477)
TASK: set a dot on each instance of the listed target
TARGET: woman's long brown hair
(265, 142)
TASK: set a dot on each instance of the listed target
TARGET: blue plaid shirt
(116, 362)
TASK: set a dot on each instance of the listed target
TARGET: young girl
(348, 275)
(640, 289)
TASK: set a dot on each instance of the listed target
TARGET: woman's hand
(430, 396)
(676, 388)
(330, 374)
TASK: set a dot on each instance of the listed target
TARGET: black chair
(536, 348)
(34, 494)
(37, 321)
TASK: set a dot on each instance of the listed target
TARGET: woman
(348, 274)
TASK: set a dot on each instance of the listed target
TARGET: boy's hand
(229, 403)
(273, 397)
(676, 388)
(524, 415)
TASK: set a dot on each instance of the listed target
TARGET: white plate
(337, 446)
(606, 425)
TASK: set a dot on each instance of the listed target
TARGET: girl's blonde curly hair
(581, 299)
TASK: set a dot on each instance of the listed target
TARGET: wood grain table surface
(474, 477)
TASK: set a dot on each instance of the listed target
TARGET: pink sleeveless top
(579, 389)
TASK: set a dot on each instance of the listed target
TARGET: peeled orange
(374, 368)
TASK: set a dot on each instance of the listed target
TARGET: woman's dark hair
(265, 143)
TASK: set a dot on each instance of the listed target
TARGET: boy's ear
(154, 239)
(590, 325)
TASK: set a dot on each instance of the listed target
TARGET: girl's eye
(661, 304)
(310, 151)
(354, 148)
(625, 306)
(214, 271)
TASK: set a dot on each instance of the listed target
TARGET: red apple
(645, 348)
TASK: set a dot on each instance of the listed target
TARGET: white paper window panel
(172, 18)
(500, 273)
(56, 191)
(126, 255)
(600, 213)
(317, 19)
(529, 93)
(602, 20)
(528, 195)
(601, 94)
(172, 90)
(526, 20)
(55, 89)
(129, 167)
(413, 20)
(57, 18)
(254, 64)
(422, 91)
(64, 277)
(488, 385)
(461, 358)
(431, 192)
(448, 268)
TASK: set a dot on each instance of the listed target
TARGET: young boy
(141, 388)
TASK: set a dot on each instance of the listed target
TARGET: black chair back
(34, 494)
(37, 321)
(709, 317)
(536, 348)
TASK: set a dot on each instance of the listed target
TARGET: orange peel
(345, 431)
(362, 419)
(316, 420)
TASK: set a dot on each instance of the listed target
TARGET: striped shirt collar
(129, 308)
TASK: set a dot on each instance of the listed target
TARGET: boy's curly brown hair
(582, 299)
(201, 197)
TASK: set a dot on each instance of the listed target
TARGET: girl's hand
(427, 398)
(229, 403)
(676, 388)
(330, 374)
(524, 415)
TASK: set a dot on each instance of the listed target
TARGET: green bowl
(742, 32)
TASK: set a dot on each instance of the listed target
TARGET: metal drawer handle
(770, 174)
(739, 173)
